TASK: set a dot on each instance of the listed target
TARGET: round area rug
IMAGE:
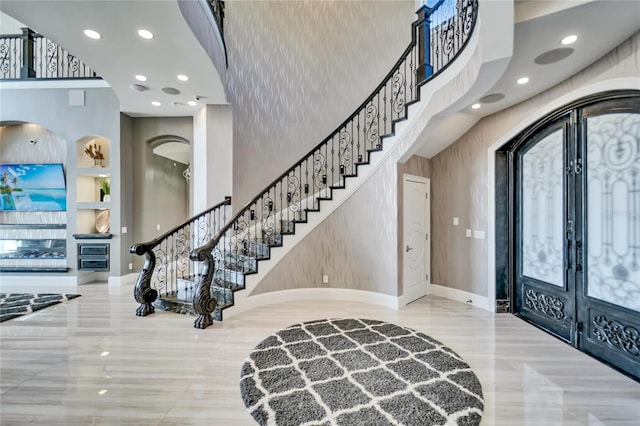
(358, 372)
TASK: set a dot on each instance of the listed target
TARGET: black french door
(576, 217)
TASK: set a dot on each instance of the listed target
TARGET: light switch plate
(478, 235)
(456, 221)
(468, 233)
(124, 229)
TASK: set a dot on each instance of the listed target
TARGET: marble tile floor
(91, 361)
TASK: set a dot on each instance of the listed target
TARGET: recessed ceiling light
(182, 77)
(192, 103)
(141, 77)
(523, 80)
(138, 87)
(570, 39)
(156, 103)
(145, 34)
(92, 34)
(475, 106)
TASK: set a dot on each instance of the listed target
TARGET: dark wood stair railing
(173, 248)
(234, 251)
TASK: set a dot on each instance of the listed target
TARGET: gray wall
(355, 245)
(358, 245)
(145, 194)
(173, 203)
(126, 189)
(459, 175)
(99, 116)
(297, 70)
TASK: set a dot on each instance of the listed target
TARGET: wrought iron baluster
(358, 136)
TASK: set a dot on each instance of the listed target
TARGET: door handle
(408, 249)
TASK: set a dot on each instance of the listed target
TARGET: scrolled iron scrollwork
(293, 192)
(466, 13)
(319, 170)
(5, 58)
(372, 119)
(617, 335)
(345, 141)
(73, 63)
(548, 305)
(398, 93)
(52, 57)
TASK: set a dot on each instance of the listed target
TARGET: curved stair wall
(361, 153)
(297, 70)
(363, 254)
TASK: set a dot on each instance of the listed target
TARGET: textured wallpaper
(459, 175)
(297, 69)
(354, 246)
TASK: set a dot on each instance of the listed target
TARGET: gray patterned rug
(358, 372)
(15, 304)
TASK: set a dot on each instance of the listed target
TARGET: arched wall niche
(93, 151)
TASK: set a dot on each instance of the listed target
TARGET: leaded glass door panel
(576, 211)
(609, 282)
(543, 293)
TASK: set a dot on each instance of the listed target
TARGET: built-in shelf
(33, 226)
(94, 171)
(93, 206)
(93, 236)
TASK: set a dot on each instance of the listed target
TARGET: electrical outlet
(130, 266)
(478, 235)
(124, 229)
(325, 279)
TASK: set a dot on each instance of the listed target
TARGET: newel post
(425, 67)
(26, 68)
(203, 303)
(143, 293)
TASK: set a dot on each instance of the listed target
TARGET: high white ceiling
(121, 54)
(540, 25)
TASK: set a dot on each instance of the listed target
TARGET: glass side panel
(613, 206)
(543, 210)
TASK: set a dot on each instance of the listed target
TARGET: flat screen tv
(32, 187)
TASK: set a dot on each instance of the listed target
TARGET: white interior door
(416, 245)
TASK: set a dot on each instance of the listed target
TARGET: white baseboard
(124, 279)
(302, 294)
(481, 302)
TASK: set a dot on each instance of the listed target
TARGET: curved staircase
(238, 247)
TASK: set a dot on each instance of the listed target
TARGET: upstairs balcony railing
(217, 7)
(32, 56)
